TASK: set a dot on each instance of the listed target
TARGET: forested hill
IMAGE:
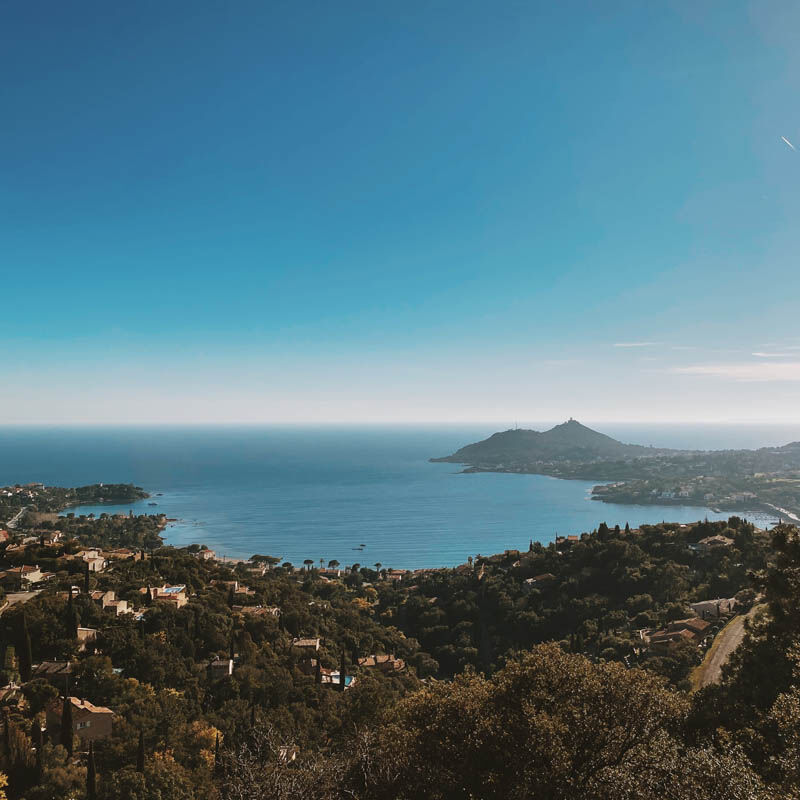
(568, 441)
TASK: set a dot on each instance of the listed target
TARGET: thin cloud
(635, 344)
(758, 372)
(771, 355)
(789, 143)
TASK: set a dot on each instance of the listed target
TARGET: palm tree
(378, 566)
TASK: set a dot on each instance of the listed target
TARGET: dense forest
(516, 675)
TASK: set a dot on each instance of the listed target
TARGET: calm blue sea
(318, 493)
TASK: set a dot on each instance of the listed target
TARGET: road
(17, 597)
(726, 641)
(12, 523)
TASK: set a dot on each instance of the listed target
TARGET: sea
(365, 495)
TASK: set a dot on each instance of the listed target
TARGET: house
(306, 644)
(172, 594)
(383, 663)
(23, 577)
(396, 574)
(122, 554)
(697, 627)
(86, 636)
(220, 668)
(238, 588)
(257, 611)
(330, 572)
(205, 555)
(537, 581)
(4, 536)
(89, 721)
(710, 542)
(332, 678)
(692, 630)
(712, 609)
(108, 601)
(59, 673)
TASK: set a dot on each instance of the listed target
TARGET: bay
(321, 492)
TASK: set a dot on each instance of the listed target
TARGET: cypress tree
(25, 654)
(36, 733)
(86, 577)
(318, 674)
(91, 776)
(39, 766)
(342, 670)
(252, 716)
(72, 617)
(140, 753)
(66, 727)
(216, 755)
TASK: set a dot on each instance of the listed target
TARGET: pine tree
(66, 727)
(217, 762)
(140, 753)
(91, 776)
(25, 655)
(627, 528)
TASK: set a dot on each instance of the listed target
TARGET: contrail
(789, 143)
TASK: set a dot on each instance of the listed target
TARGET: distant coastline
(730, 481)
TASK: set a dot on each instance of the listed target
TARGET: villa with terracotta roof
(172, 594)
(384, 663)
(89, 721)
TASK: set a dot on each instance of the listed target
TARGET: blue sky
(449, 211)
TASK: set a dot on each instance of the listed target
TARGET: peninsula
(726, 480)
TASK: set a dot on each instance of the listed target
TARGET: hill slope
(568, 441)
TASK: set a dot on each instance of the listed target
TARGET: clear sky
(385, 212)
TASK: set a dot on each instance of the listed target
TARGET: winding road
(726, 641)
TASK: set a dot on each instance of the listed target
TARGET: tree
(140, 753)
(25, 654)
(91, 775)
(549, 724)
(71, 617)
(85, 577)
(39, 693)
(66, 734)
(333, 563)
(307, 563)
(342, 672)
